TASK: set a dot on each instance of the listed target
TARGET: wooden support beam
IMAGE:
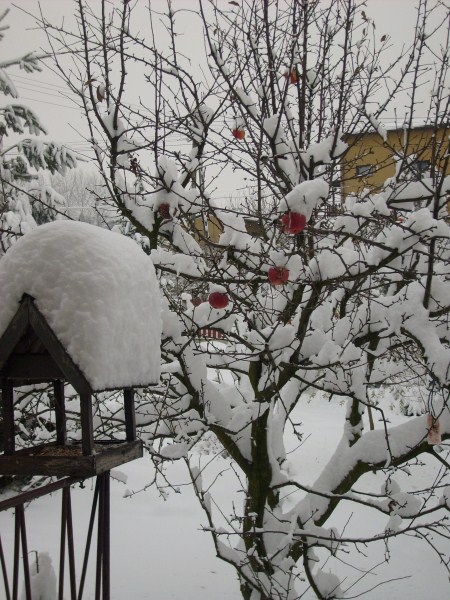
(25, 563)
(130, 416)
(62, 547)
(60, 412)
(8, 416)
(59, 354)
(106, 567)
(44, 490)
(15, 580)
(14, 331)
(70, 546)
(32, 366)
(4, 572)
(65, 463)
(87, 428)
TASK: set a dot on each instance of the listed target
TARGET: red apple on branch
(164, 211)
(218, 300)
(291, 75)
(293, 222)
(278, 275)
(238, 133)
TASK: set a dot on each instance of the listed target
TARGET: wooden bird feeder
(30, 353)
(89, 348)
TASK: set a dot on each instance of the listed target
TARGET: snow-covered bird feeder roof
(97, 291)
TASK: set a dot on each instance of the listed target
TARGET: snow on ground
(159, 550)
(410, 560)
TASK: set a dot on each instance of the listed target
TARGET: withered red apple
(164, 211)
(291, 75)
(293, 222)
(239, 134)
(278, 275)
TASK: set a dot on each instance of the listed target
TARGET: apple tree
(313, 291)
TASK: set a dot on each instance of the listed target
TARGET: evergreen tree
(25, 200)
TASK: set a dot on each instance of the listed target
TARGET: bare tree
(342, 305)
(81, 193)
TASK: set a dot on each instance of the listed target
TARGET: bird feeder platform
(68, 460)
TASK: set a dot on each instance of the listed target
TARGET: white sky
(45, 94)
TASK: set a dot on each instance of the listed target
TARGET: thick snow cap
(98, 292)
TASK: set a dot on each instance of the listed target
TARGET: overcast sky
(45, 94)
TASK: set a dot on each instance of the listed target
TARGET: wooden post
(8, 416)
(106, 571)
(62, 546)
(25, 563)
(60, 412)
(130, 416)
(15, 581)
(87, 428)
(4, 571)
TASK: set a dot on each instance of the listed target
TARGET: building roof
(392, 126)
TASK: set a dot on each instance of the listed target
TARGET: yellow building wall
(370, 149)
(215, 229)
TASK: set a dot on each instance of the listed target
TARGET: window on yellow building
(421, 166)
(364, 170)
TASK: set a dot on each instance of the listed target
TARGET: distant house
(208, 228)
(370, 159)
(215, 228)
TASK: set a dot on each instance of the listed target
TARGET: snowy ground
(159, 550)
